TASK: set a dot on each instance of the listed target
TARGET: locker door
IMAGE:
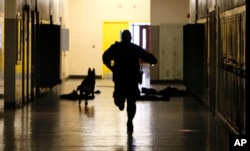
(178, 52)
(166, 58)
(171, 52)
(194, 58)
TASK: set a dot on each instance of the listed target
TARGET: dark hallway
(51, 123)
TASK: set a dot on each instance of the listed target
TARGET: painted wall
(86, 18)
(169, 11)
(192, 11)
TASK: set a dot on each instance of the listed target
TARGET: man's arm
(150, 58)
(107, 57)
(147, 57)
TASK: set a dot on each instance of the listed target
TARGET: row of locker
(179, 49)
(167, 45)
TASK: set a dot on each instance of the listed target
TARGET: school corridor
(53, 124)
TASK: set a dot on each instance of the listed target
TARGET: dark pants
(127, 91)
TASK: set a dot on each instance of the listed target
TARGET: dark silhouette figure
(87, 86)
(122, 58)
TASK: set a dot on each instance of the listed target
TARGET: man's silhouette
(122, 58)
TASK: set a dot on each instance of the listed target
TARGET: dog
(87, 86)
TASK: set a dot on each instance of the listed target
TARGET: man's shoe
(121, 106)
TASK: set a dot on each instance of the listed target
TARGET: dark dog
(87, 86)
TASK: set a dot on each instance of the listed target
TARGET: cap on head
(126, 36)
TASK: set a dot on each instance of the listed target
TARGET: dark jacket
(123, 60)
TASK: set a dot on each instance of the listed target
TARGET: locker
(171, 52)
(49, 56)
(194, 58)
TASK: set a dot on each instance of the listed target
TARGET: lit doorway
(140, 34)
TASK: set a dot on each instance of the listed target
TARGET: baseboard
(82, 77)
(166, 81)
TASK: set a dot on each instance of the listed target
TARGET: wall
(86, 18)
(192, 11)
(169, 11)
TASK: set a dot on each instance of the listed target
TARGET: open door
(144, 37)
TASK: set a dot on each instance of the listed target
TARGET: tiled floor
(53, 124)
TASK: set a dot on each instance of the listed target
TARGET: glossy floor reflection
(53, 124)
